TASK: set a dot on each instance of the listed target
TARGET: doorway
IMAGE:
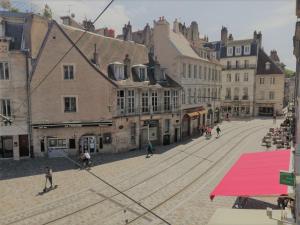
(176, 135)
(6, 146)
(23, 145)
(88, 143)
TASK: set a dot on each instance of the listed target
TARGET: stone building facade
(269, 91)
(199, 75)
(97, 101)
(21, 35)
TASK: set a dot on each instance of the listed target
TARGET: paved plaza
(174, 183)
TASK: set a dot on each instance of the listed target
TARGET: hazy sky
(274, 18)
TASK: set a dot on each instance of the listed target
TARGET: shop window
(57, 143)
(107, 138)
(72, 143)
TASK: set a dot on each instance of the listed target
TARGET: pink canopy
(255, 174)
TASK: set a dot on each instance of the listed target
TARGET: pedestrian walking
(48, 175)
(149, 149)
(218, 131)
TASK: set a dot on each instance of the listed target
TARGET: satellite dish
(72, 15)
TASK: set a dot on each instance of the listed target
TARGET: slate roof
(263, 58)
(109, 49)
(182, 45)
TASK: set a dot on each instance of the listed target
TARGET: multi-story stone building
(289, 90)
(199, 75)
(269, 88)
(21, 35)
(104, 96)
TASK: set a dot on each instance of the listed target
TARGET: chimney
(176, 26)
(224, 34)
(230, 37)
(96, 56)
(127, 64)
(274, 56)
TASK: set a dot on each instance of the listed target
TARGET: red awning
(255, 174)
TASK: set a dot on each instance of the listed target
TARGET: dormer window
(238, 50)
(247, 50)
(141, 71)
(118, 70)
(268, 65)
(229, 51)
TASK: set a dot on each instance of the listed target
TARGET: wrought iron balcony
(147, 110)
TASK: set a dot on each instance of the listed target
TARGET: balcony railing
(239, 67)
(147, 110)
(236, 98)
(227, 97)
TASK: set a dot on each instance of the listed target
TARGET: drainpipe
(28, 105)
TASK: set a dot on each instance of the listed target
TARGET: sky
(274, 18)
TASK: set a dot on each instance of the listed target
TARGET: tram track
(177, 178)
(196, 179)
(148, 178)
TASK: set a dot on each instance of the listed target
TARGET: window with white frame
(237, 77)
(272, 80)
(228, 77)
(183, 96)
(190, 71)
(246, 78)
(167, 100)
(130, 101)
(145, 102)
(70, 104)
(271, 95)
(6, 107)
(68, 72)
(175, 99)
(143, 73)
(247, 50)
(205, 71)
(208, 94)
(154, 101)
(184, 70)
(228, 93)
(4, 71)
(195, 71)
(57, 143)
(261, 80)
(204, 94)
(167, 125)
(121, 101)
(229, 51)
(200, 72)
(209, 73)
(238, 50)
(119, 71)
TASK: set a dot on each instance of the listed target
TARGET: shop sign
(287, 178)
(151, 123)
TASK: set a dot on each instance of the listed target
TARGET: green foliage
(5, 4)
(47, 12)
(288, 72)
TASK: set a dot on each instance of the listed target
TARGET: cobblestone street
(175, 182)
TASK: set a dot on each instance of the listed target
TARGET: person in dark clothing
(48, 175)
(218, 131)
(274, 118)
(149, 149)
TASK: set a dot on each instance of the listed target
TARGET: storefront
(193, 120)
(150, 131)
(14, 146)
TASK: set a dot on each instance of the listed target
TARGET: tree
(5, 4)
(289, 73)
(47, 12)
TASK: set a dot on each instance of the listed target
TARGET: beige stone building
(269, 92)
(198, 74)
(21, 35)
(104, 96)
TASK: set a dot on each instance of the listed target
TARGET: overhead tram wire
(66, 53)
(99, 178)
(116, 189)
